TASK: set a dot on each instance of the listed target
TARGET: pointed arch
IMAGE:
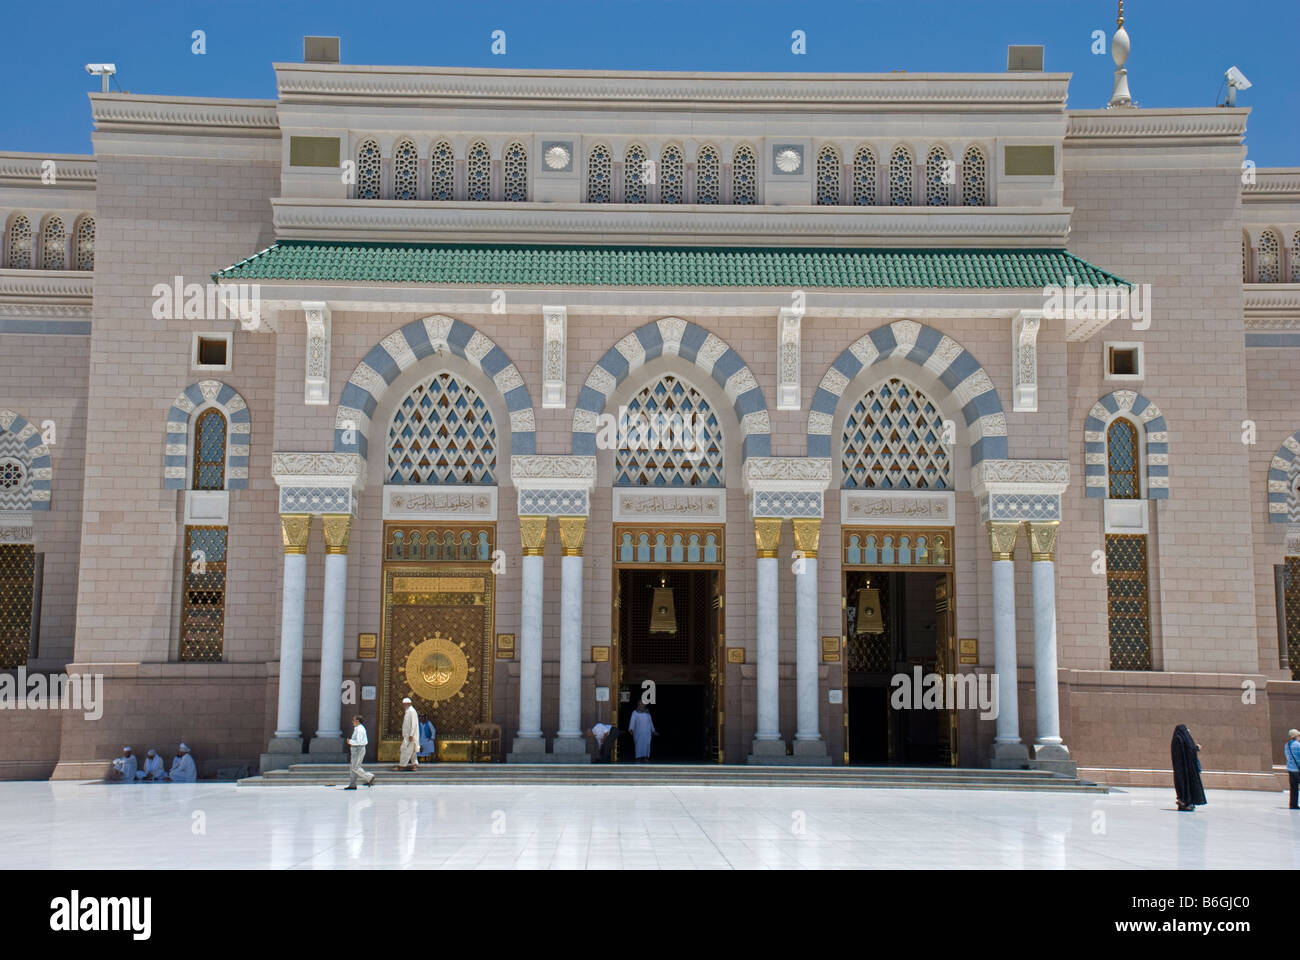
(708, 175)
(938, 177)
(1268, 261)
(18, 243)
(900, 177)
(413, 342)
(864, 177)
(1284, 482)
(406, 166)
(178, 437)
(744, 175)
(674, 336)
(442, 171)
(514, 173)
(828, 176)
(478, 171)
(1151, 428)
(369, 170)
(54, 244)
(672, 178)
(600, 174)
(635, 180)
(25, 438)
(85, 250)
(974, 178)
(969, 387)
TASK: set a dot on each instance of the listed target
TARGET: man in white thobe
(183, 769)
(428, 739)
(410, 737)
(356, 753)
(124, 767)
(642, 728)
(599, 732)
(153, 769)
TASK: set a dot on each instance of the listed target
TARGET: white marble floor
(92, 825)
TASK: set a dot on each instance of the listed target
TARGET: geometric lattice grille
(1291, 599)
(210, 451)
(974, 178)
(17, 575)
(478, 172)
(1127, 601)
(442, 171)
(744, 176)
(53, 245)
(19, 255)
(669, 437)
(442, 432)
(405, 170)
(708, 176)
(867, 652)
(1267, 264)
(636, 174)
(86, 244)
(1122, 462)
(1295, 258)
(671, 175)
(368, 171)
(828, 176)
(900, 177)
(893, 441)
(938, 177)
(600, 175)
(514, 173)
(203, 613)
(864, 177)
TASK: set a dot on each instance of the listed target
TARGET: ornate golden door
(438, 618)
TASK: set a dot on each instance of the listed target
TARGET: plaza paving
(219, 825)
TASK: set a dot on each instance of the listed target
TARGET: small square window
(1124, 361)
(211, 351)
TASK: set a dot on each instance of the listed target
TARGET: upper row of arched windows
(1268, 262)
(402, 179)
(55, 248)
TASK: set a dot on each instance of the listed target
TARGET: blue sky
(1180, 47)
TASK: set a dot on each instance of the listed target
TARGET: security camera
(100, 69)
(1237, 79)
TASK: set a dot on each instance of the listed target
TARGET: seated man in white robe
(153, 771)
(183, 769)
(428, 739)
(125, 766)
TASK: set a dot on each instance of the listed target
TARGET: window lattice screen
(17, 580)
(744, 176)
(203, 610)
(974, 178)
(442, 432)
(892, 441)
(665, 417)
(1127, 601)
(708, 176)
(210, 451)
(1291, 601)
(1121, 459)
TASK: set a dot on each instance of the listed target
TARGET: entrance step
(553, 774)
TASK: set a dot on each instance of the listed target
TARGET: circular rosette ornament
(787, 161)
(437, 669)
(557, 157)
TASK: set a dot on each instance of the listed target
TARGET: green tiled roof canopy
(560, 266)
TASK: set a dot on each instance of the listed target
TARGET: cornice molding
(1271, 306)
(406, 86)
(1221, 126)
(453, 222)
(318, 469)
(24, 169)
(1273, 184)
(1020, 476)
(185, 116)
(68, 287)
(553, 472)
(786, 474)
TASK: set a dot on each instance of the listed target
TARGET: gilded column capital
(1002, 540)
(1042, 540)
(807, 533)
(337, 528)
(533, 532)
(767, 536)
(295, 528)
(573, 531)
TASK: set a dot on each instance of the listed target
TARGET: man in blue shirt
(1292, 751)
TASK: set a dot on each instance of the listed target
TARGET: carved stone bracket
(789, 327)
(786, 486)
(555, 326)
(1020, 490)
(318, 483)
(1024, 360)
(316, 386)
(553, 486)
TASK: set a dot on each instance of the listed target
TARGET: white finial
(1119, 47)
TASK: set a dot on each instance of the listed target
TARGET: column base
(1054, 757)
(770, 752)
(1009, 756)
(283, 761)
(811, 752)
(284, 745)
(570, 750)
(528, 750)
(329, 746)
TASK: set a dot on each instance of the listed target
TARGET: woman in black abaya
(1187, 770)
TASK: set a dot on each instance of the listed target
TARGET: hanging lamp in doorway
(663, 613)
(869, 619)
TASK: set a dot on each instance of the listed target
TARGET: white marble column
(568, 739)
(1048, 745)
(296, 529)
(768, 745)
(807, 739)
(1008, 751)
(528, 739)
(329, 732)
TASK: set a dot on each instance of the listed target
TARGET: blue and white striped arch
(415, 341)
(969, 387)
(666, 337)
(1284, 482)
(1155, 454)
(40, 471)
(204, 394)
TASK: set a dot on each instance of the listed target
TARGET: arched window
(892, 440)
(744, 176)
(442, 172)
(442, 432)
(1245, 258)
(669, 436)
(369, 176)
(210, 451)
(864, 177)
(19, 246)
(974, 178)
(1122, 460)
(636, 174)
(86, 243)
(514, 173)
(828, 176)
(708, 176)
(53, 245)
(406, 168)
(1268, 263)
(478, 172)
(900, 177)
(600, 174)
(1295, 278)
(672, 178)
(939, 177)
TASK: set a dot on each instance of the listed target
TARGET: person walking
(642, 728)
(1292, 750)
(1187, 770)
(410, 737)
(357, 753)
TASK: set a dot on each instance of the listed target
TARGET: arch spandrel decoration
(1284, 482)
(178, 439)
(23, 441)
(1155, 452)
(968, 386)
(670, 336)
(442, 432)
(418, 339)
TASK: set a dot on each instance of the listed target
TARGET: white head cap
(406, 699)
(126, 749)
(184, 749)
(151, 753)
